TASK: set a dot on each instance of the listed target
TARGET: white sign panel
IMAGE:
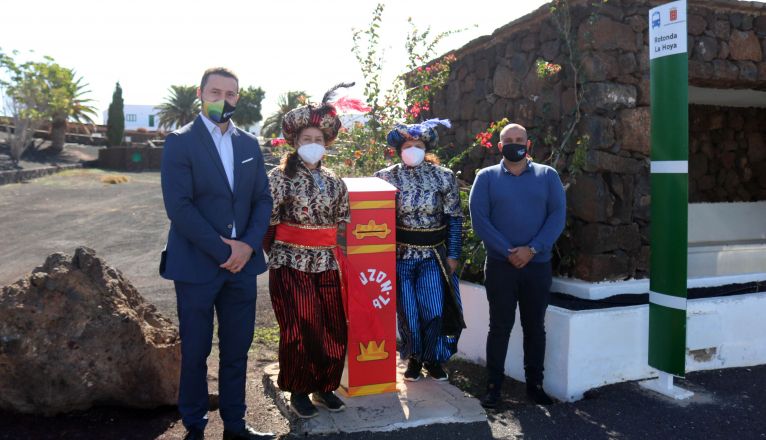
(667, 29)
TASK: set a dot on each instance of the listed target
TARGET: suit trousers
(232, 298)
(529, 287)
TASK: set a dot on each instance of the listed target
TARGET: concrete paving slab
(417, 407)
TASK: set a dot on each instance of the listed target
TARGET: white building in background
(139, 116)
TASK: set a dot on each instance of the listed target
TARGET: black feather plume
(330, 93)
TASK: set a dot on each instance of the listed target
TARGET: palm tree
(249, 107)
(272, 126)
(180, 107)
(67, 104)
(41, 91)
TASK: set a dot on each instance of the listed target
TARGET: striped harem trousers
(419, 307)
(312, 329)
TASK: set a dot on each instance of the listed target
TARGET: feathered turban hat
(323, 116)
(424, 131)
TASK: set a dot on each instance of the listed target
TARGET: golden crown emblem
(371, 229)
(372, 352)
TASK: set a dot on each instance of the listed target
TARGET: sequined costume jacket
(428, 197)
(317, 198)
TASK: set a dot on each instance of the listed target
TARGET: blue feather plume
(431, 123)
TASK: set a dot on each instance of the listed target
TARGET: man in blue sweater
(518, 209)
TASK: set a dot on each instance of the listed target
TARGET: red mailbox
(370, 244)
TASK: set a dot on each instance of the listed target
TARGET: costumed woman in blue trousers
(428, 235)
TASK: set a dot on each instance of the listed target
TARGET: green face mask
(218, 111)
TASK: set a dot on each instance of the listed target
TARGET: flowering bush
(279, 147)
(362, 149)
(424, 81)
(484, 139)
(546, 70)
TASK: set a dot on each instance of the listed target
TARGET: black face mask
(514, 152)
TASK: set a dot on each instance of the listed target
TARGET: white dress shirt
(225, 149)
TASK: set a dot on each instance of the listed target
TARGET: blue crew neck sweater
(509, 211)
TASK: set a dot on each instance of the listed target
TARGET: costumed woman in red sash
(305, 279)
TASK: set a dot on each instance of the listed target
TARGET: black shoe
(302, 406)
(536, 394)
(413, 370)
(436, 371)
(328, 400)
(247, 433)
(492, 398)
(194, 434)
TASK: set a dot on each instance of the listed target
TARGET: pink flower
(484, 139)
(415, 109)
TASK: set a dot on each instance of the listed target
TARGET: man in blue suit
(218, 201)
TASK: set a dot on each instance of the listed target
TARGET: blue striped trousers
(420, 299)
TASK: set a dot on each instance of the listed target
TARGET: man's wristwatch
(533, 250)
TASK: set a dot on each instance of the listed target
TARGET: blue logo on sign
(655, 19)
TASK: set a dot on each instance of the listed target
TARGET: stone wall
(18, 176)
(727, 154)
(130, 158)
(607, 235)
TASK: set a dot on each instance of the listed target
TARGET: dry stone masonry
(607, 234)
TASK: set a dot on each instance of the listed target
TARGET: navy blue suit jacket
(201, 206)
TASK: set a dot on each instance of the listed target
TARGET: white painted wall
(727, 222)
(727, 245)
(589, 349)
(138, 116)
(726, 238)
(604, 289)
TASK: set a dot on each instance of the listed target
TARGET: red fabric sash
(360, 302)
(311, 236)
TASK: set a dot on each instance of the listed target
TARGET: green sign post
(670, 187)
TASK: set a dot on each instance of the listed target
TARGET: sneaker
(536, 394)
(436, 371)
(413, 370)
(492, 398)
(302, 406)
(328, 400)
(247, 433)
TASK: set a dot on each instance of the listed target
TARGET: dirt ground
(126, 225)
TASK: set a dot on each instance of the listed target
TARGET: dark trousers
(530, 288)
(232, 297)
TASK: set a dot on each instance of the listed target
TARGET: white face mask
(413, 156)
(311, 153)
